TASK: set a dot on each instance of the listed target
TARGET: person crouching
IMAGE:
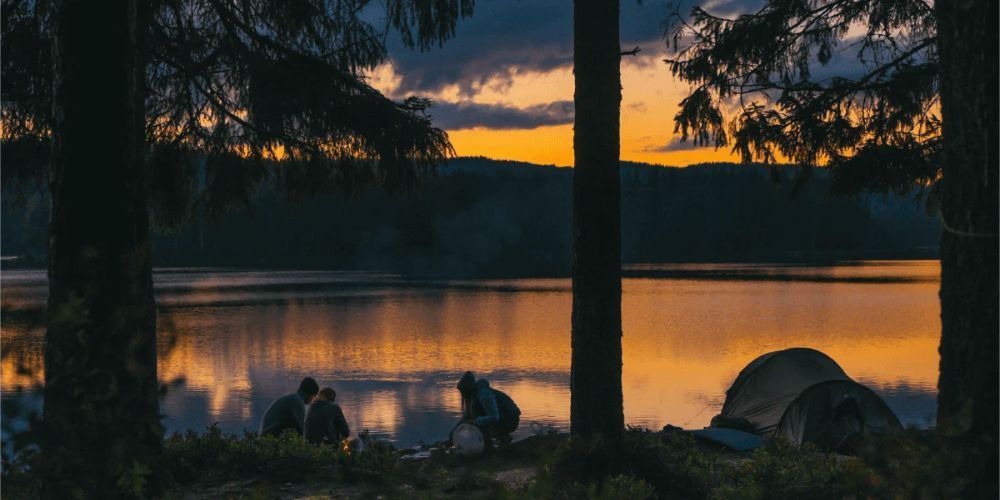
(325, 421)
(491, 410)
(288, 412)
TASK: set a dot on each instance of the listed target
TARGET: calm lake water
(393, 347)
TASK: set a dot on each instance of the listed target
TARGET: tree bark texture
(101, 431)
(967, 399)
(596, 373)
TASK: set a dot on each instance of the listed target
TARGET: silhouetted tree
(521, 213)
(232, 81)
(970, 264)
(101, 423)
(913, 103)
(596, 371)
(799, 98)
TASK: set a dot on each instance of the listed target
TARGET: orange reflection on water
(394, 351)
(885, 335)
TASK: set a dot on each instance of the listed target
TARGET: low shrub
(669, 463)
(924, 464)
(369, 460)
(910, 464)
(288, 457)
(641, 464)
(619, 487)
(780, 470)
(18, 479)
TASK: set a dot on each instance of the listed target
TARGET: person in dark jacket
(288, 412)
(493, 411)
(325, 421)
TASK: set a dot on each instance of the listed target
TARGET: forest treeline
(483, 217)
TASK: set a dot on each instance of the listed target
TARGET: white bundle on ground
(468, 440)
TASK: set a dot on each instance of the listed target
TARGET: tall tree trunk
(101, 426)
(596, 373)
(967, 400)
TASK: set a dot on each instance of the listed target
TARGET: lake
(394, 347)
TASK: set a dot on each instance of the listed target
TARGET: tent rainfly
(804, 396)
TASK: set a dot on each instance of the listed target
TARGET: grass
(642, 464)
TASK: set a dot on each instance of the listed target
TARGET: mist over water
(393, 347)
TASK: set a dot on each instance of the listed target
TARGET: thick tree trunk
(596, 374)
(967, 400)
(101, 426)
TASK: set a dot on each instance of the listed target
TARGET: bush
(668, 463)
(369, 460)
(284, 458)
(642, 464)
(920, 464)
(18, 479)
(910, 464)
(626, 488)
(780, 470)
(620, 487)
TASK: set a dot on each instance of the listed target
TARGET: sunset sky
(503, 87)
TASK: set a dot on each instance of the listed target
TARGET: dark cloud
(463, 115)
(722, 8)
(638, 107)
(504, 37)
(674, 144)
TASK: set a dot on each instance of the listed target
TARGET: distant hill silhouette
(482, 217)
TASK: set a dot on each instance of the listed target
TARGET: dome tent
(803, 396)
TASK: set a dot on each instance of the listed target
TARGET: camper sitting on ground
(325, 421)
(492, 411)
(288, 412)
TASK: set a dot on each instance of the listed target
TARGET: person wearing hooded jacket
(491, 410)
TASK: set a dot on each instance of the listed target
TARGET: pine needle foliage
(852, 84)
(233, 83)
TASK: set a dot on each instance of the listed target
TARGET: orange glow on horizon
(649, 101)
